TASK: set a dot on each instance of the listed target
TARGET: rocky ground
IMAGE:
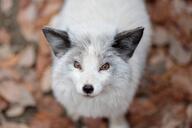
(164, 99)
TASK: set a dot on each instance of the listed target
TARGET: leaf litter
(163, 100)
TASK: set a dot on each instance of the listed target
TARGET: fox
(99, 50)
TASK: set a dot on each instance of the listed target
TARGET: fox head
(92, 65)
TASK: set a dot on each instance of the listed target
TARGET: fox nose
(88, 89)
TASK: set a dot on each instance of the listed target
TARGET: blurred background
(164, 99)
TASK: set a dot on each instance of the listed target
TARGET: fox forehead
(92, 57)
(96, 45)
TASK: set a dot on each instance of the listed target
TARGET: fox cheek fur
(99, 51)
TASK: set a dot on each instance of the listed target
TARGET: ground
(164, 99)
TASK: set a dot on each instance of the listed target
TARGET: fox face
(92, 66)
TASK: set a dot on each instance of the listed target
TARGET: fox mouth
(88, 96)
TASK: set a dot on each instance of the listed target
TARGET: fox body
(99, 52)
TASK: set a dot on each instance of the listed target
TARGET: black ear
(126, 42)
(58, 40)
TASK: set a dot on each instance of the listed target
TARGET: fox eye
(106, 66)
(77, 65)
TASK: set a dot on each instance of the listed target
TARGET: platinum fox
(99, 53)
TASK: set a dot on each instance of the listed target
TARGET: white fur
(101, 19)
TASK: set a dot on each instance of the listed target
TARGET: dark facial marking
(126, 42)
(58, 40)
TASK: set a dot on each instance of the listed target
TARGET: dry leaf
(46, 120)
(27, 58)
(160, 36)
(181, 55)
(9, 74)
(6, 5)
(10, 62)
(95, 123)
(5, 52)
(182, 81)
(15, 110)
(26, 18)
(14, 125)
(16, 94)
(3, 104)
(5, 36)
(46, 81)
(160, 11)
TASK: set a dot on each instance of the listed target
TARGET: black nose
(88, 88)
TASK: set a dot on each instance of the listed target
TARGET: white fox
(99, 53)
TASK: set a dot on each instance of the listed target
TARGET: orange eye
(77, 65)
(106, 66)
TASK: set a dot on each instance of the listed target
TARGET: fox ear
(126, 42)
(58, 40)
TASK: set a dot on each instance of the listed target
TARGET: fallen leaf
(182, 81)
(178, 6)
(46, 120)
(95, 123)
(6, 5)
(15, 110)
(9, 74)
(49, 9)
(157, 63)
(46, 81)
(181, 55)
(26, 18)
(5, 52)
(24, 3)
(16, 94)
(160, 11)
(142, 106)
(5, 36)
(189, 112)
(160, 36)
(27, 58)
(3, 104)
(14, 125)
(54, 107)
(10, 62)
(173, 117)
